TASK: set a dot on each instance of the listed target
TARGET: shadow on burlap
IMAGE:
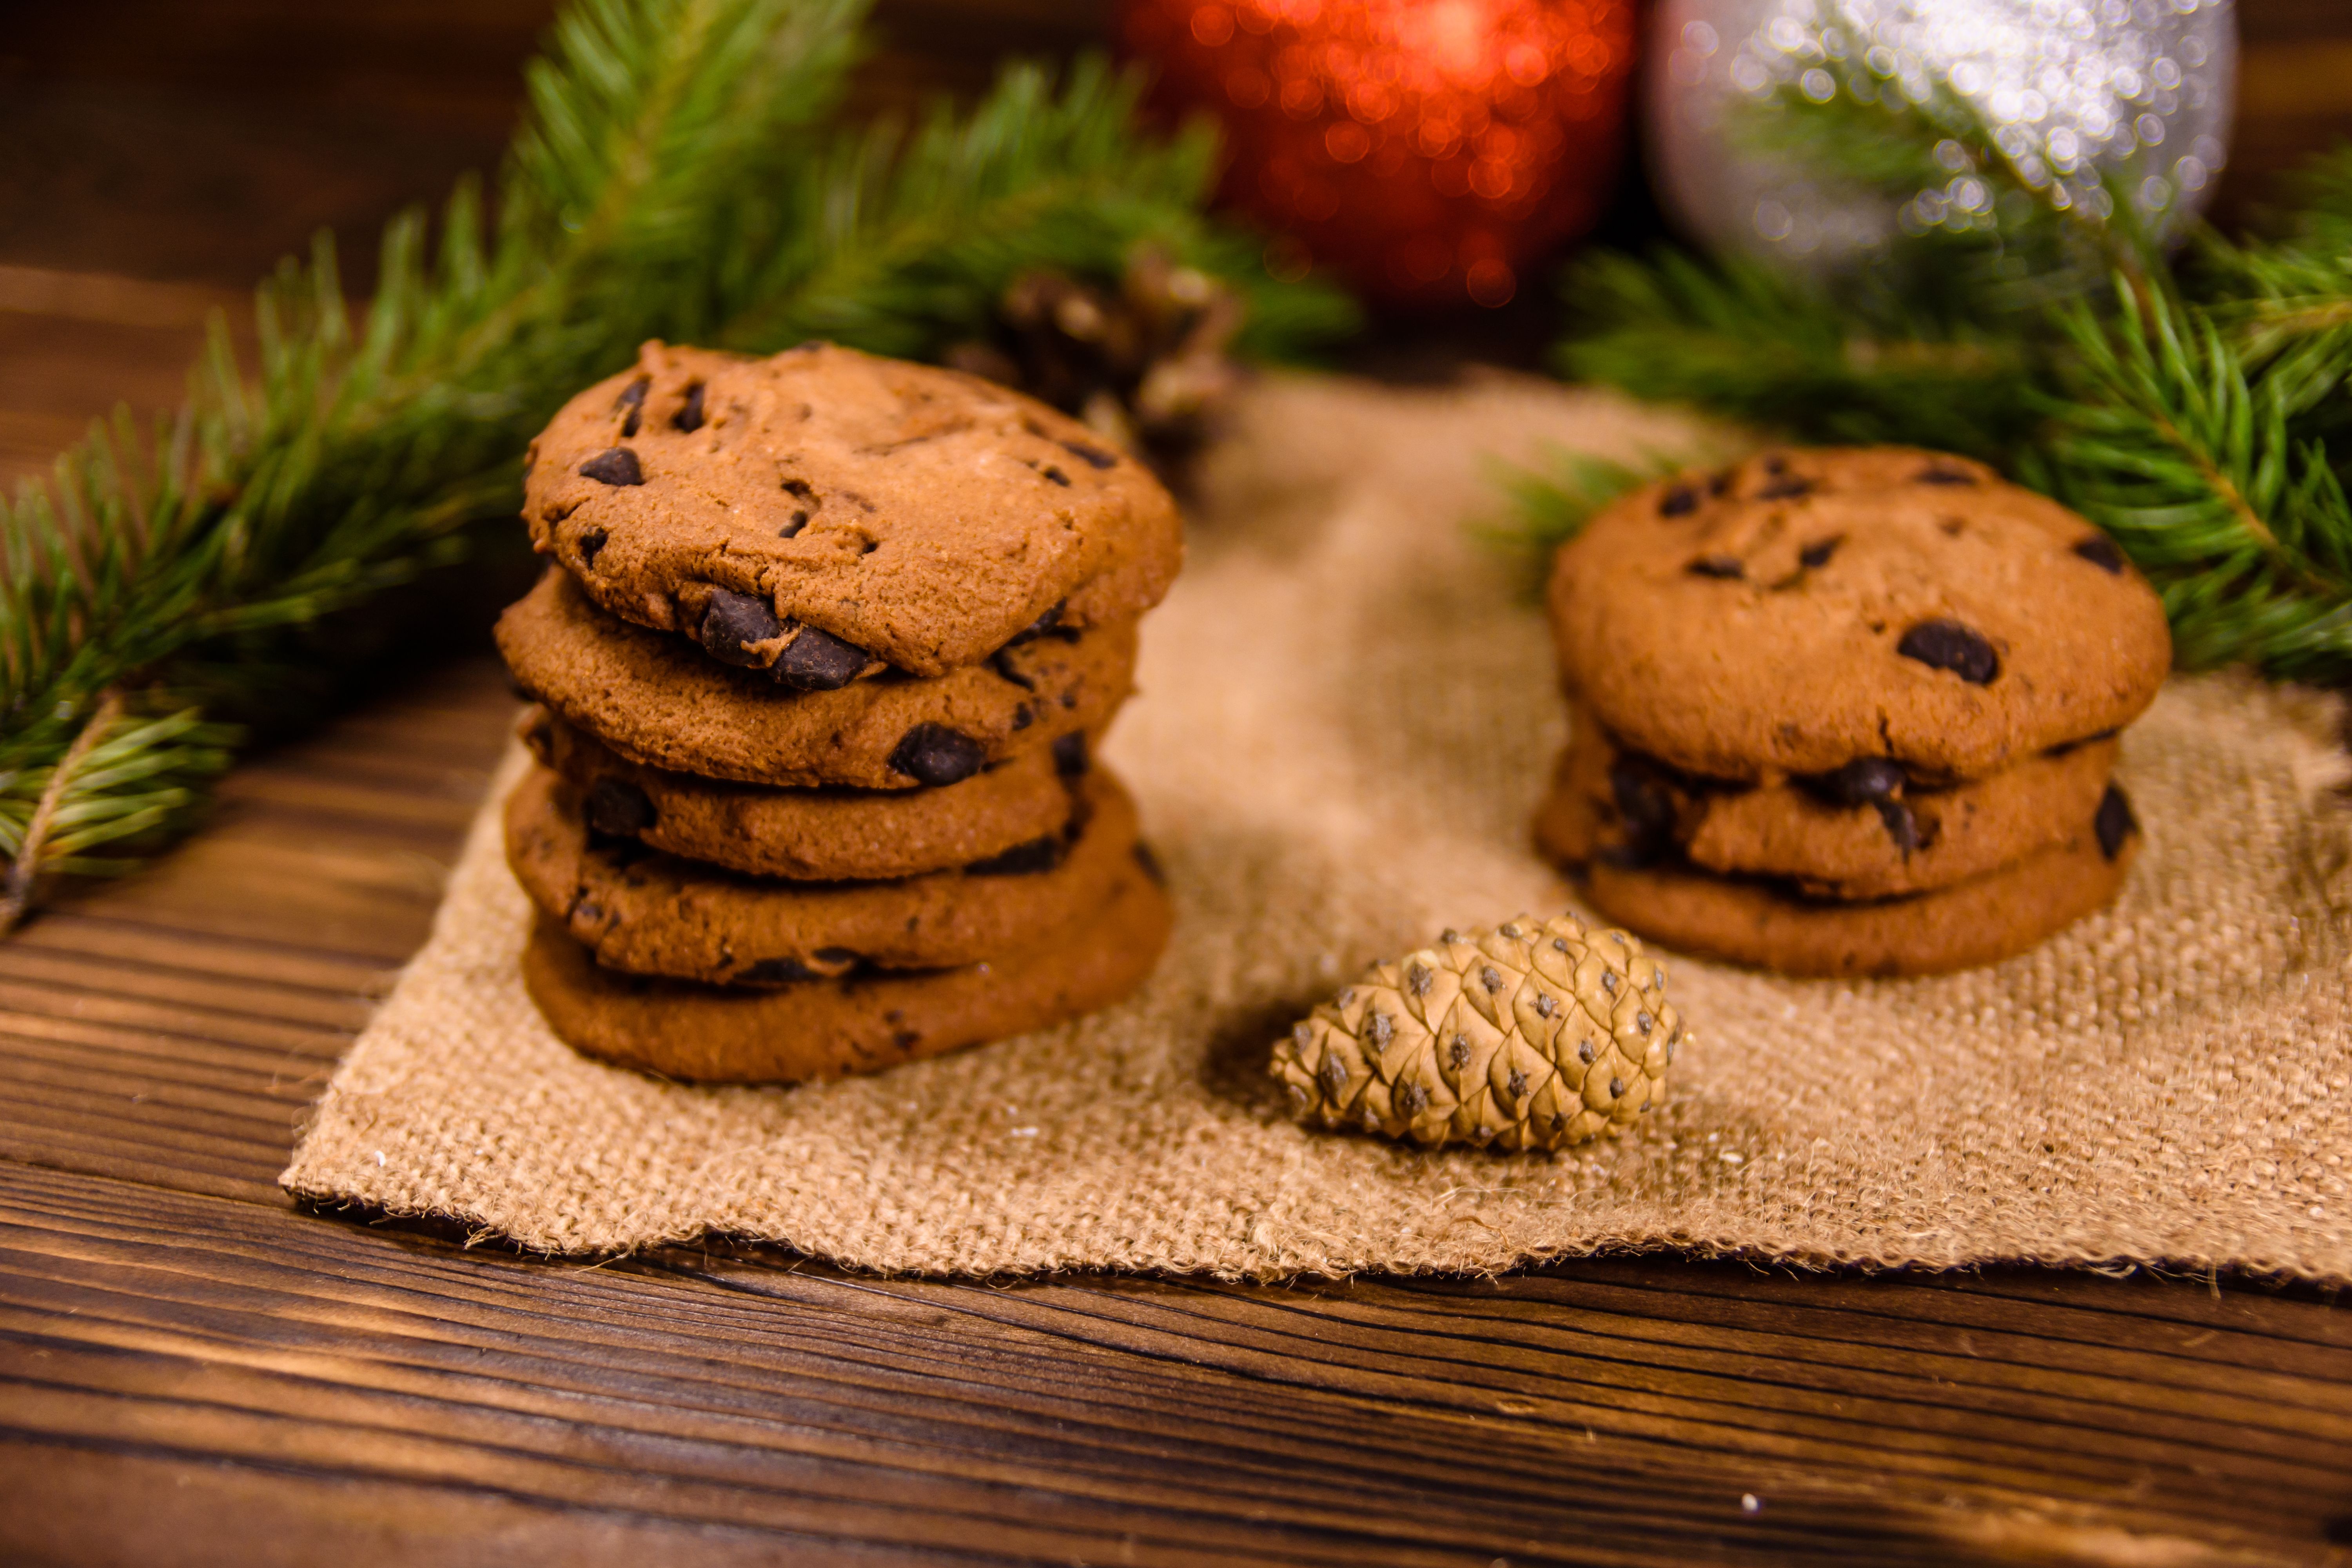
(1344, 722)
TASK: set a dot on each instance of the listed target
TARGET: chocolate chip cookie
(823, 513)
(823, 1028)
(1865, 831)
(1809, 609)
(654, 700)
(650, 913)
(1981, 920)
(817, 834)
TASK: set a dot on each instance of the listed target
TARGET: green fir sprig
(679, 174)
(2199, 408)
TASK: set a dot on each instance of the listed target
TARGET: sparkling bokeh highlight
(2074, 92)
(1430, 151)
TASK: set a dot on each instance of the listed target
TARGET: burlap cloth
(1345, 720)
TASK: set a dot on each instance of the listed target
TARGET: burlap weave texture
(1344, 722)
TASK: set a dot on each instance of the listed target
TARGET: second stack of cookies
(1847, 712)
(819, 667)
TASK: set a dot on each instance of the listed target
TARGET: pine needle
(680, 174)
(2201, 413)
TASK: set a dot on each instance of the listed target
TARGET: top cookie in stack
(1848, 711)
(821, 667)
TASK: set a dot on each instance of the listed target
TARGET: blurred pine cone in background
(1143, 363)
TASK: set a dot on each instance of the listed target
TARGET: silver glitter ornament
(2078, 98)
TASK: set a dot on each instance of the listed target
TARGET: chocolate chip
(1720, 483)
(1948, 645)
(1022, 717)
(1030, 859)
(1725, 566)
(1901, 826)
(618, 807)
(1054, 474)
(1818, 554)
(908, 1039)
(590, 541)
(1944, 477)
(935, 754)
(1049, 623)
(802, 488)
(799, 521)
(1647, 804)
(775, 972)
(614, 466)
(1150, 864)
(1785, 490)
(817, 661)
(690, 412)
(1002, 662)
(1679, 502)
(1070, 754)
(835, 956)
(734, 619)
(1092, 456)
(2114, 822)
(632, 398)
(1776, 464)
(2101, 552)
(1859, 782)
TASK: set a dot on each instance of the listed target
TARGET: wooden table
(193, 1370)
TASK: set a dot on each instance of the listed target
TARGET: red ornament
(1428, 149)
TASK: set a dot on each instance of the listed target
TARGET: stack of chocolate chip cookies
(820, 665)
(1846, 712)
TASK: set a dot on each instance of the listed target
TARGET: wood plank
(170, 1037)
(1127, 1419)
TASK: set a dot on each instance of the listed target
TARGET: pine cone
(1535, 1036)
(1143, 361)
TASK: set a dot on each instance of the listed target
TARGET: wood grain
(193, 1371)
(263, 1385)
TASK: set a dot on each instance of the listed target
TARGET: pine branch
(677, 176)
(910, 237)
(1740, 339)
(2203, 416)
(2169, 444)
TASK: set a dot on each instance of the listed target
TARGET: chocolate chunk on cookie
(656, 914)
(1863, 832)
(811, 835)
(869, 1021)
(921, 516)
(935, 754)
(659, 701)
(1815, 608)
